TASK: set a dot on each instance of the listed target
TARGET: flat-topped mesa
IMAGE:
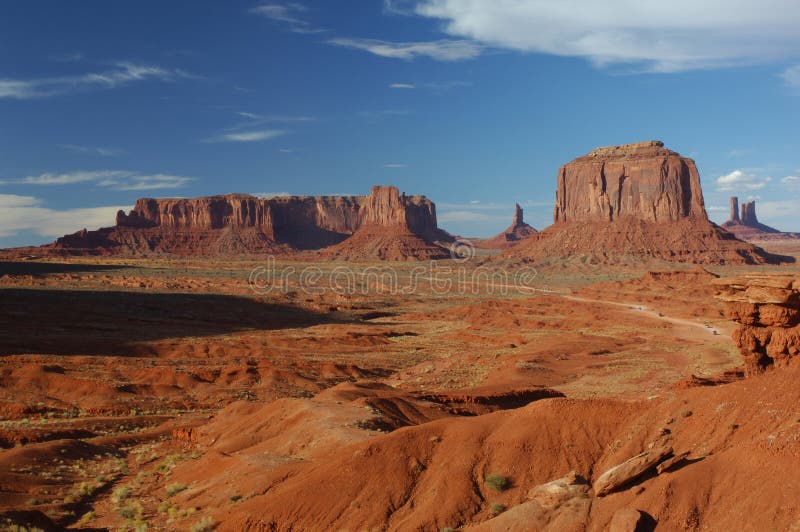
(643, 180)
(241, 223)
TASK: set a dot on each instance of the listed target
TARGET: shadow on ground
(68, 322)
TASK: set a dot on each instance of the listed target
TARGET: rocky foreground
(767, 309)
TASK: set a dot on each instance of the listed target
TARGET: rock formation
(513, 235)
(635, 201)
(767, 309)
(244, 224)
(747, 226)
(642, 180)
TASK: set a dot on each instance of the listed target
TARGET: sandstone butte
(513, 235)
(767, 309)
(747, 226)
(244, 224)
(638, 201)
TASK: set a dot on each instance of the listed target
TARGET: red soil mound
(385, 243)
(689, 241)
(432, 475)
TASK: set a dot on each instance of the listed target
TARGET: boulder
(626, 520)
(629, 470)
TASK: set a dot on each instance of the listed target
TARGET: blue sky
(475, 104)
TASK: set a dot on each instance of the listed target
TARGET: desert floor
(187, 394)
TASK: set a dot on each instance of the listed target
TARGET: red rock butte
(242, 224)
(513, 235)
(747, 226)
(638, 201)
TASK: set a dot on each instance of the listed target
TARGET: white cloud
(122, 74)
(105, 152)
(791, 180)
(394, 165)
(114, 179)
(739, 180)
(27, 213)
(289, 13)
(658, 36)
(441, 50)
(247, 136)
(402, 86)
(791, 76)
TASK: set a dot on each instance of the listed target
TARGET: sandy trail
(643, 310)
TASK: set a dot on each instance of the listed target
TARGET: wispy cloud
(255, 119)
(791, 76)
(383, 113)
(248, 136)
(270, 194)
(436, 86)
(791, 180)
(394, 165)
(113, 179)
(28, 213)
(292, 14)
(441, 50)
(105, 152)
(740, 180)
(122, 74)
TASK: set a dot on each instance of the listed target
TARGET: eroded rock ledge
(767, 309)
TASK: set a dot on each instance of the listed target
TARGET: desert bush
(496, 482)
(175, 488)
(496, 508)
(206, 524)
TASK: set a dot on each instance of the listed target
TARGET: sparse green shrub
(120, 494)
(496, 482)
(206, 524)
(496, 508)
(175, 488)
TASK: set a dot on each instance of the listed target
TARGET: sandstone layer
(245, 224)
(639, 201)
(767, 309)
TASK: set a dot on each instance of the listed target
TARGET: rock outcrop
(642, 180)
(767, 309)
(516, 233)
(639, 202)
(244, 224)
(747, 226)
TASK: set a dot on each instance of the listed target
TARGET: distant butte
(635, 201)
(747, 227)
(513, 235)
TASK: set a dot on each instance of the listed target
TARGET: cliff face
(240, 223)
(642, 180)
(631, 203)
(767, 309)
